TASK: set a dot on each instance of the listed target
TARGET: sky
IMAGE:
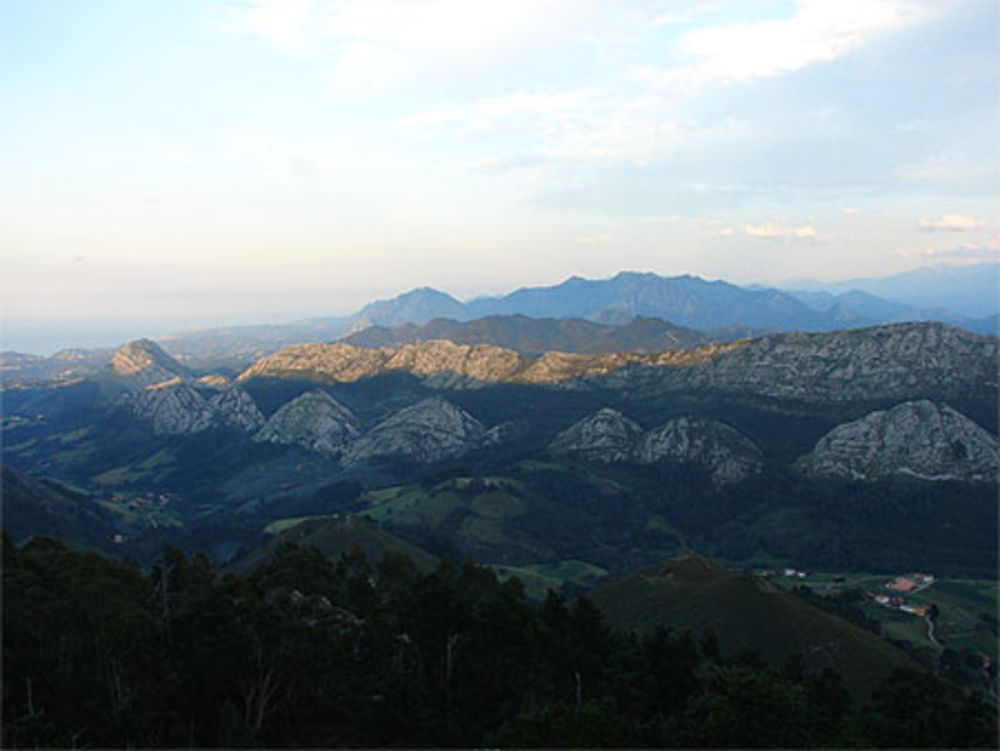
(181, 164)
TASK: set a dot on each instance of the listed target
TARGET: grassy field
(153, 518)
(963, 605)
(281, 525)
(147, 469)
(475, 514)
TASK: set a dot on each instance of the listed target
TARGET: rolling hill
(333, 536)
(747, 614)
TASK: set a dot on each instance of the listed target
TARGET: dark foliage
(305, 653)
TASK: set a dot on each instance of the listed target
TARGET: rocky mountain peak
(609, 436)
(416, 306)
(143, 362)
(921, 438)
(605, 436)
(141, 354)
(176, 409)
(439, 357)
(315, 421)
(429, 431)
(725, 452)
(236, 408)
(173, 407)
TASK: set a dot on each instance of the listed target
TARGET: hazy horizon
(253, 161)
(47, 337)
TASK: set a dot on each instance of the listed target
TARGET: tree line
(305, 652)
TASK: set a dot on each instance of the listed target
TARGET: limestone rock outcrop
(175, 409)
(315, 421)
(236, 408)
(922, 439)
(728, 455)
(605, 436)
(143, 362)
(608, 436)
(429, 431)
(897, 361)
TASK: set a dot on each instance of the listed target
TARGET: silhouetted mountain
(417, 306)
(682, 300)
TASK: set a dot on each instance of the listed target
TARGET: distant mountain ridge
(682, 300)
(532, 336)
(967, 290)
(899, 361)
(962, 296)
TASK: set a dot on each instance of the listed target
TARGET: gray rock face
(315, 420)
(503, 433)
(605, 436)
(899, 361)
(429, 431)
(726, 453)
(922, 439)
(142, 363)
(608, 436)
(175, 409)
(236, 408)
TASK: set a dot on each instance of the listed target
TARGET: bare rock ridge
(729, 454)
(922, 439)
(143, 362)
(176, 408)
(429, 431)
(608, 436)
(171, 410)
(605, 436)
(236, 408)
(315, 421)
(898, 361)
(444, 361)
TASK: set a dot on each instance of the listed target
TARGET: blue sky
(172, 164)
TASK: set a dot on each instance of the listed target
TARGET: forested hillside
(305, 653)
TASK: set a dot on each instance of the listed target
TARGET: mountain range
(783, 419)
(533, 336)
(638, 312)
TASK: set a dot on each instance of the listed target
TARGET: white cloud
(284, 24)
(386, 42)
(776, 230)
(648, 112)
(853, 210)
(819, 31)
(952, 222)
